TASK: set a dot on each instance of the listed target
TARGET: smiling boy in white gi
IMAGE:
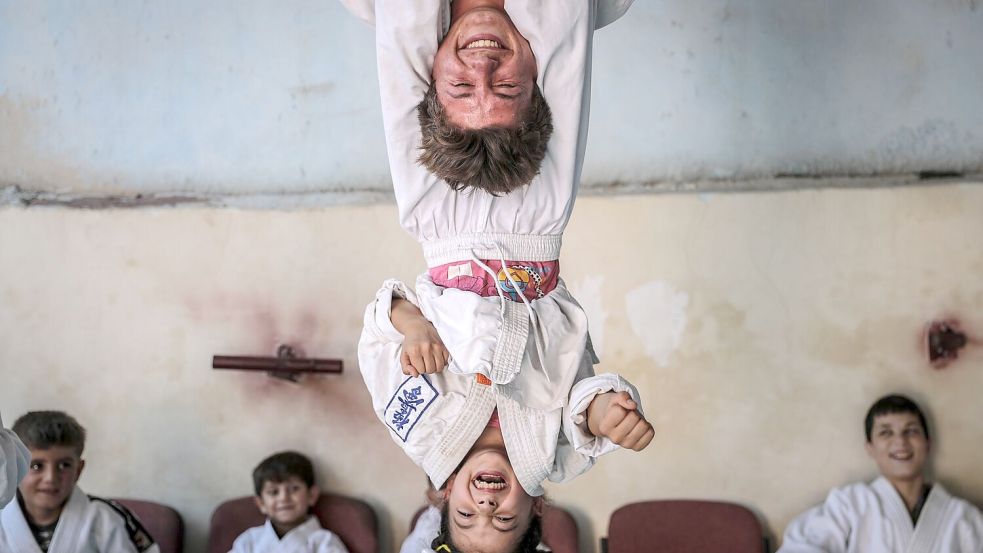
(285, 493)
(900, 511)
(52, 514)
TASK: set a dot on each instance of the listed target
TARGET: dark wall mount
(286, 364)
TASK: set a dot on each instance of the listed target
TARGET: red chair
(683, 526)
(350, 519)
(163, 523)
(559, 529)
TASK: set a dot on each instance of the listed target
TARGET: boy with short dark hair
(285, 493)
(52, 514)
(900, 511)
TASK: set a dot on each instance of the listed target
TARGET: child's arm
(615, 416)
(423, 351)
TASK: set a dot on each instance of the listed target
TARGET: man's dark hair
(497, 160)
(47, 429)
(893, 403)
(528, 544)
(279, 467)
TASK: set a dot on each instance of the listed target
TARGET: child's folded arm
(378, 314)
(380, 346)
(576, 413)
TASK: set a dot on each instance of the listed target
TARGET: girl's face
(487, 508)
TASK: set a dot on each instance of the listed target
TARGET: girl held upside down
(488, 447)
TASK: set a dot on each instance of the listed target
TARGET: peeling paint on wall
(657, 313)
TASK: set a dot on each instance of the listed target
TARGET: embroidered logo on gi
(412, 398)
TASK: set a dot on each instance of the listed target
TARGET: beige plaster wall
(758, 328)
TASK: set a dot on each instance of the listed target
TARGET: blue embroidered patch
(412, 398)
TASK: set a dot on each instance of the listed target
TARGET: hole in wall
(945, 339)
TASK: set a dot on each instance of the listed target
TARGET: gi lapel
(16, 529)
(930, 521)
(895, 511)
(268, 540)
(296, 539)
(68, 536)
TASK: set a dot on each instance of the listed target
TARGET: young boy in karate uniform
(285, 493)
(52, 514)
(900, 511)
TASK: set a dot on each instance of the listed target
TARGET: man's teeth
(484, 43)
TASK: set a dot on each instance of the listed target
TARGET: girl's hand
(615, 416)
(423, 350)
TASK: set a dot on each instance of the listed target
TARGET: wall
(758, 328)
(250, 98)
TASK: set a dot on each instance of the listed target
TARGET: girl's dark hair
(528, 544)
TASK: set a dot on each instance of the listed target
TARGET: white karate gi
(309, 537)
(14, 458)
(426, 529)
(86, 525)
(873, 518)
(437, 418)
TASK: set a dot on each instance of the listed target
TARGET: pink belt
(534, 279)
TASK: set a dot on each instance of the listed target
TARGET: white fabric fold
(14, 458)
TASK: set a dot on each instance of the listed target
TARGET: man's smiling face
(484, 71)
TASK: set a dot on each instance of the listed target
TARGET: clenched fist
(615, 416)
(423, 352)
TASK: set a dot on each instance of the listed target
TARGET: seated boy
(285, 493)
(52, 514)
(13, 463)
(900, 511)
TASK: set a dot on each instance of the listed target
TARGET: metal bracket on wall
(286, 365)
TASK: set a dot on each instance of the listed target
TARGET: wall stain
(267, 325)
(20, 158)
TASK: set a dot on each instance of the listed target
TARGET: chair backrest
(684, 526)
(559, 529)
(162, 522)
(350, 519)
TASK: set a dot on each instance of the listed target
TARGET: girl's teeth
(482, 485)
